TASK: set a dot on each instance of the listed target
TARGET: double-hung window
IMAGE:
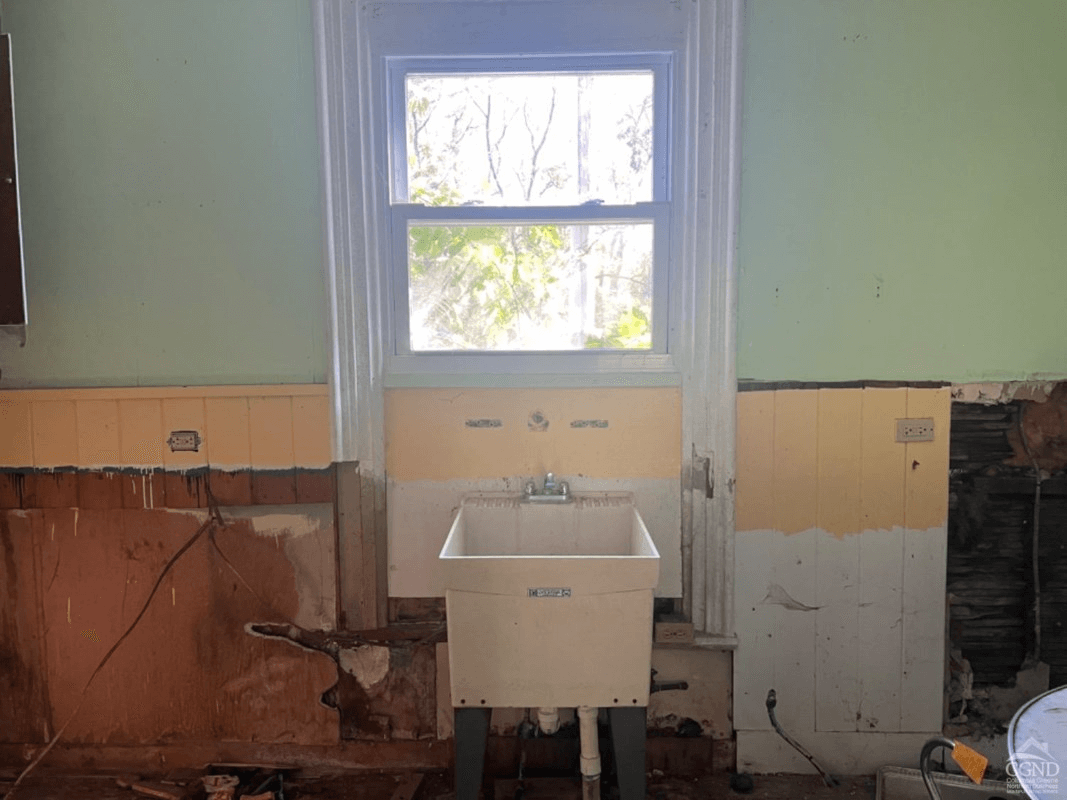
(538, 193)
(529, 207)
(519, 171)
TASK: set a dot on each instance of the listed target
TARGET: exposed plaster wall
(909, 225)
(188, 672)
(176, 238)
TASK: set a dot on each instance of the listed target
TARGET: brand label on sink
(549, 591)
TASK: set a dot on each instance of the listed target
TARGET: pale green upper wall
(169, 171)
(904, 190)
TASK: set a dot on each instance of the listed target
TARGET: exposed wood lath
(990, 577)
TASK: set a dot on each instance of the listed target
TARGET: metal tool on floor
(970, 761)
(828, 779)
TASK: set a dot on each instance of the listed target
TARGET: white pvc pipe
(590, 742)
(548, 720)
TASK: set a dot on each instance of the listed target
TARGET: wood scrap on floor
(408, 787)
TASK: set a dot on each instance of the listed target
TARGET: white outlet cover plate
(915, 429)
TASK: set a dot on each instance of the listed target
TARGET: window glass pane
(530, 287)
(529, 138)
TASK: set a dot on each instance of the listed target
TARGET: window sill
(494, 371)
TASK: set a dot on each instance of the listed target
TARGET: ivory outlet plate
(915, 430)
(188, 441)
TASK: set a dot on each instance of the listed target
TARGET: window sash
(659, 63)
(658, 214)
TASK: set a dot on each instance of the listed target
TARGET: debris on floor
(438, 786)
(220, 787)
(150, 789)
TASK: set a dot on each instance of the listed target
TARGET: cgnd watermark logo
(1033, 768)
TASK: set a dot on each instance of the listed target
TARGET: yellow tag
(971, 761)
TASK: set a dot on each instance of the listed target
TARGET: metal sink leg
(472, 734)
(628, 742)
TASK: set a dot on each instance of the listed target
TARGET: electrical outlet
(184, 441)
(673, 632)
(915, 430)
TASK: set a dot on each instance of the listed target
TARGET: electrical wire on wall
(211, 526)
(1035, 656)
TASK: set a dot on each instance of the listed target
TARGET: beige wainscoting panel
(795, 460)
(754, 503)
(882, 482)
(55, 433)
(227, 423)
(925, 555)
(128, 427)
(271, 426)
(311, 431)
(840, 458)
(445, 434)
(141, 432)
(16, 432)
(98, 433)
(926, 481)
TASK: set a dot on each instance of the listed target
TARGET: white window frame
(705, 188)
(400, 360)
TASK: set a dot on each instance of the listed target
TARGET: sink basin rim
(643, 539)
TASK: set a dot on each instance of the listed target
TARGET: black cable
(1036, 540)
(772, 701)
(213, 519)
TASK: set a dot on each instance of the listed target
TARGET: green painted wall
(904, 190)
(169, 170)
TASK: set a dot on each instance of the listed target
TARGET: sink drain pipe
(587, 731)
(548, 720)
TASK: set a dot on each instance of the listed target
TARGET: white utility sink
(549, 604)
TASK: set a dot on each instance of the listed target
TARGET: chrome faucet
(553, 491)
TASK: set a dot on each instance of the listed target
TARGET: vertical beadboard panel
(796, 515)
(926, 497)
(16, 433)
(757, 627)
(925, 554)
(141, 433)
(55, 433)
(271, 430)
(795, 470)
(753, 556)
(754, 501)
(838, 684)
(226, 421)
(311, 431)
(882, 483)
(881, 560)
(98, 433)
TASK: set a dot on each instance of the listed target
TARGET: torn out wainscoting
(188, 671)
(93, 503)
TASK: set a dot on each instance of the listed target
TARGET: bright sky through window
(569, 140)
(542, 138)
